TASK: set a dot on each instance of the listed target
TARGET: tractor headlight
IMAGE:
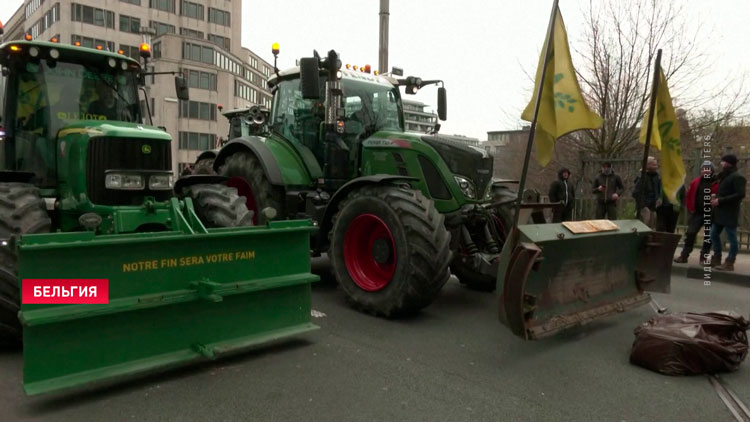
(467, 187)
(124, 181)
(160, 182)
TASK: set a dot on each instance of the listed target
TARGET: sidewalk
(693, 269)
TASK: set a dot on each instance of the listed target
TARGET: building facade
(200, 39)
(417, 117)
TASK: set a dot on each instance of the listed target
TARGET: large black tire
(467, 274)
(219, 206)
(419, 264)
(204, 166)
(256, 188)
(22, 211)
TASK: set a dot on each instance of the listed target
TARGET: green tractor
(87, 193)
(397, 212)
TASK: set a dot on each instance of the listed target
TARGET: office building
(201, 39)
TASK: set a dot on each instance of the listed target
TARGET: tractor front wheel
(22, 211)
(204, 166)
(246, 174)
(389, 250)
(219, 206)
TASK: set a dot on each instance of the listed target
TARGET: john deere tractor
(87, 193)
(397, 212)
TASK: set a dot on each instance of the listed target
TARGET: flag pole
(651, 110)
(537, 102)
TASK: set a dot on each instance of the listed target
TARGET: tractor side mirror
(181, 88)
(442, 103)
(309, 79)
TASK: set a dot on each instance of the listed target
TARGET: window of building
(130, 50)
(198, 110)
(50, 18)
(219, 16)
(165, 5)
(245, 92)
(93, 42)
(93, 15)
(130, 24)
(197, 141)
(198, 53)
(162, 28)
(254, 62)
(187, 32)
(191, 10)
(156, 50)
(32, 6)
(136, 2)
(200, 80)
(222, 42)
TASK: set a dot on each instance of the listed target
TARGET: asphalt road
(452, 362)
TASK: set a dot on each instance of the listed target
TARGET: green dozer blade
(551, 278)
(174, 298)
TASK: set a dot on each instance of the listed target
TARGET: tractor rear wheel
(389, 250)
(219, 206)
(22, 211)
(500, 222)
(246, 174)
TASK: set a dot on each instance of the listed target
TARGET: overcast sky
(483, 50)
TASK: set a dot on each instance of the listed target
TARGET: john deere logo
(146, 149)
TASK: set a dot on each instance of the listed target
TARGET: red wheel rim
(244, 189)
(369, 252)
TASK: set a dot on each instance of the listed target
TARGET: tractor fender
(197, 179)
(333, 204)
(257, 147)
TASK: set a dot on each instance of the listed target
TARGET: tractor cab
(50, 90)
(369, 104)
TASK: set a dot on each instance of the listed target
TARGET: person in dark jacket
(561, 190)
(726, 210)
(648, 195)
(607, 187)
(698, 206)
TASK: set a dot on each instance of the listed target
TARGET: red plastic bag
(691, 344)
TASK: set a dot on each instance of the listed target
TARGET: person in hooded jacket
(608, 188)
(563, 191)
(726, 212)
(699, 211)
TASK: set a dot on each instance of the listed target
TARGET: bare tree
(615, 69)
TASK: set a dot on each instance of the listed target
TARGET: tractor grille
(124, 154)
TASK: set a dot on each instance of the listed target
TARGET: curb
(696, 272)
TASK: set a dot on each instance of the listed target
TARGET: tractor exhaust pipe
(383, 53)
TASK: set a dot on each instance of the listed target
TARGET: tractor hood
(464, 160)
(93, 128)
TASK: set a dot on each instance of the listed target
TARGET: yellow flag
(562, 109)
(665, 136)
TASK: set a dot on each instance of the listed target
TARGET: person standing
(607, 187)
(726, 209)
(699, 210)
(561, 190)
(648, 195)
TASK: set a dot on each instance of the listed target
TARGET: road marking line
(731, 401)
